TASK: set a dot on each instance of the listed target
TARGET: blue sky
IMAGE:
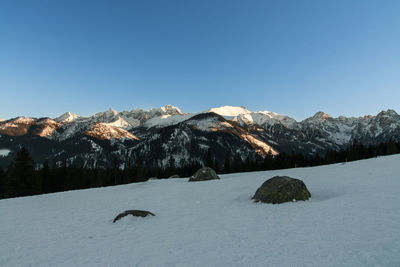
(291, 57)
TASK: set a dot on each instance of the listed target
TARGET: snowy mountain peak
(17, 126)
(23, 120)
(229, 111)
(320, 116)
(107, 131)
(109, 115)
(111, 111)
(66, 117)
(171, 110)
(388, 113)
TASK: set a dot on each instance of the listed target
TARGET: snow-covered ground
(4, 152)
(352, 219)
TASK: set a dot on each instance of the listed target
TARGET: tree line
(22, 178)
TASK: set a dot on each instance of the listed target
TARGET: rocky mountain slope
(160, 135)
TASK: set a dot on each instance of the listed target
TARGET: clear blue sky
(291, 57)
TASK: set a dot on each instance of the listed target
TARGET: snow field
(352, 219)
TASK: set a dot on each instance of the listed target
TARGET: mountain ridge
(167, 132)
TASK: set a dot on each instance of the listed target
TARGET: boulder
(204, 174)
(281, 189)
(138, 213)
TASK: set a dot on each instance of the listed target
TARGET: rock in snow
(204, 174)
(136, 213)
(281, 189)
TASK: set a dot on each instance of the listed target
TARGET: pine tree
(170, 170)
(209, 162)
(354, 151)
(227, 164)
(391, 148)
(139, 171)
(237, 164)
(22, 178)
(115, 170)
(216, 166)
(248, 164)
(46, 178)
(268, 162)
(2, 182)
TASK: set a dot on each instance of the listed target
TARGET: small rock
(204, 174)
(137, 213)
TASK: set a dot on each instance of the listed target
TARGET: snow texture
(169, 109)
(229, 111)
(15, 122)
(48, 126)
(262, 118)
(120, 123)
(210, 124)
(4, 152)
(106, 131)
(66, 117)
(352, 219)
(323, 131)
(167, 120)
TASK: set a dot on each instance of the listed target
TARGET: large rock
(281, 189)
(204, 174)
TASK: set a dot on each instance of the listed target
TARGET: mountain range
(158, 135)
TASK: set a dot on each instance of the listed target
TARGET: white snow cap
(4, 152)
(106, 116)
(171, 110)
(66, 117)
(120, 123)
(321, 115)
(23, 120)
(111, 112)
(388, 113)
(229, 111)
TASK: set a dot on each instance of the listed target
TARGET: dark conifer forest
(24, 178)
